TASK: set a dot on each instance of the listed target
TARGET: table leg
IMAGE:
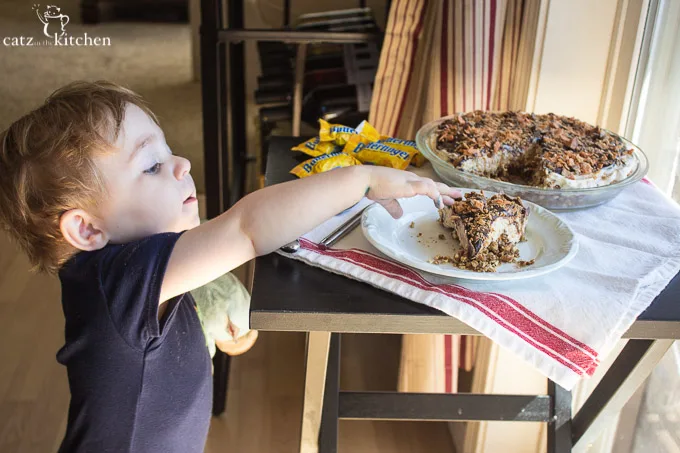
(559, 428)
(318, 346)
(630, 369)
(328, 432)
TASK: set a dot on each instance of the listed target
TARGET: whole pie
(548, 151)
(488, 230)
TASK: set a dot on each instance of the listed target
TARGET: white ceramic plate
(550, 242)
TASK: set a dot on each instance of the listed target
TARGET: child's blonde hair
(47, 166)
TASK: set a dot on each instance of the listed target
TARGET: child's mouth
(191, 199)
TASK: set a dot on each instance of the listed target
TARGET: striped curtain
(448, 56)
(440, 58)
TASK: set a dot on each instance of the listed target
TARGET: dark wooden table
(291, 296)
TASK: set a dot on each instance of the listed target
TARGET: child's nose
(182, 168)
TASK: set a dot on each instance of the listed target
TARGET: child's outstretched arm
(269, 218)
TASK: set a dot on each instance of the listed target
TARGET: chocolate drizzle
(487, 228)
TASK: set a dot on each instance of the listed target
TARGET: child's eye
(153, 170)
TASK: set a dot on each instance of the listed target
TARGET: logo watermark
(54, 29)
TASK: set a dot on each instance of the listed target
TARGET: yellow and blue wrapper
(315, 147)
(378, 153)
(336, 133)
(405, 145)
(395, 153)
(324, 163)
(418, 159)
(368, 132)
(364, 145)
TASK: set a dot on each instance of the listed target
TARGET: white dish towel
(562, 323)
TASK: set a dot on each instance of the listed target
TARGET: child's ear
(81, 230)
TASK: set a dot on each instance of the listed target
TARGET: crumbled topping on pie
(525, 148)
(488, 230)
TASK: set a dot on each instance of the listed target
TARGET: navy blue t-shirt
(137, 384)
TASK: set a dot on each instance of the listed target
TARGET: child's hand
(387, 184)
(238, 346)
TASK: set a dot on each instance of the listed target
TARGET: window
(654, 120)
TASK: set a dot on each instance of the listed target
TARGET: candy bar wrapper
(368, 132)
(315, 147)
(336, 133)
(408, 146)
(364, 144)
(418, 160)
(324, 163)
(378, 153)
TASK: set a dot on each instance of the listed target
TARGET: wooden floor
(265, 390)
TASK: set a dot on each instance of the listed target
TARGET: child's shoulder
(128, 258)
(120, 283)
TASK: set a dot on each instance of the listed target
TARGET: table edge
(416, 324)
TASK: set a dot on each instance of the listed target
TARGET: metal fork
(337, 234)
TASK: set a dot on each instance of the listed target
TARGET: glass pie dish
(554, 199)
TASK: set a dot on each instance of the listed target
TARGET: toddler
(90, 190)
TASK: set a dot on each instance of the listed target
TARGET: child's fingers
(393, 207)
(426, 186)
(232, 348)
(448, 201)
(448, 191)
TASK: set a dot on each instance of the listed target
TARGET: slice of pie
(488, 230)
